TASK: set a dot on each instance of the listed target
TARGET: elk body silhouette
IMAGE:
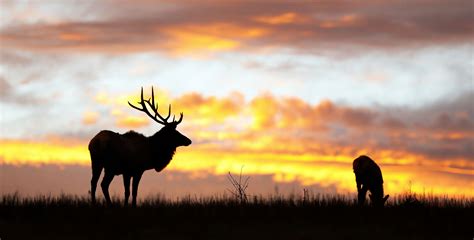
(369, 178)
(132, 153)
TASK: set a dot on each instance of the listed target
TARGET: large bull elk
(132, 153)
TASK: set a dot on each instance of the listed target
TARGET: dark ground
(221, 218)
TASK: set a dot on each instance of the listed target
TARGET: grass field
(221, 217)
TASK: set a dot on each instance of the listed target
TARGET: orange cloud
(121, 100)
(73, 37)
(344, 21)
(264, 110)
(132, 122)
(284, 18)
(89, 117)
(190, 38)
(119, 107)
(185, 42)
(269, 122)
(198, 109)
(208, 27)
(208, 110)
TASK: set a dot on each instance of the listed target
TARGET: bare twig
(240, 187)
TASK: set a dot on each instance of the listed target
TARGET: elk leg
(136, 180)
(126, 185)
(361, 195)
(108, 177)
(94, 180)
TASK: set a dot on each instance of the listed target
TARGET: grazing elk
(369, 178)
(131, 154)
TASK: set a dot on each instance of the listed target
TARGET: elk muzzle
(186, 141)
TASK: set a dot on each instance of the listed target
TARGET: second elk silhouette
(132, 153)
(369, 178)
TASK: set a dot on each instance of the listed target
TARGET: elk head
(377, 200)
(168, 135)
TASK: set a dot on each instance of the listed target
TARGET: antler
(154, 108)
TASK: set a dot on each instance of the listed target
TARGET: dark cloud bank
(128, 26)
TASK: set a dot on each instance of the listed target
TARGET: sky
(288, 92)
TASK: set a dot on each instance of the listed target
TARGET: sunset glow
(295, 92)
(308, 169)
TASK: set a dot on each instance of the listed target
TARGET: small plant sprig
(240, 187)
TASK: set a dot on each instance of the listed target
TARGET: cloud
(296, 141)
(264, 110)
(9, 94)
(131, 122)
(14, 58)
(188, 27)
(294, 113)
(198, 109)
(437, 131)
(5, 87)
(441, 131)
(89, 117)
(209, 110)
(285, 18)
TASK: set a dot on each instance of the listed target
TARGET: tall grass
(305, 216)
(292, 200)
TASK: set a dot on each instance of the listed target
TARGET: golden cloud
(209, 110)
(310, 168)
(198, 109)
(119, 107)
(132, 122)
(89, 117)
(192, 38)
(17, 152)
(285, 18)
(268, 122)
(73, 37)
(185, 42)
(264, 110)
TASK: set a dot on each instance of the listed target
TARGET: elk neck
(162, 151)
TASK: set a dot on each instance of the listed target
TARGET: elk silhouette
(132, 153)
(369, 178)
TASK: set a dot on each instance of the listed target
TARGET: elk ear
(385, 198)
